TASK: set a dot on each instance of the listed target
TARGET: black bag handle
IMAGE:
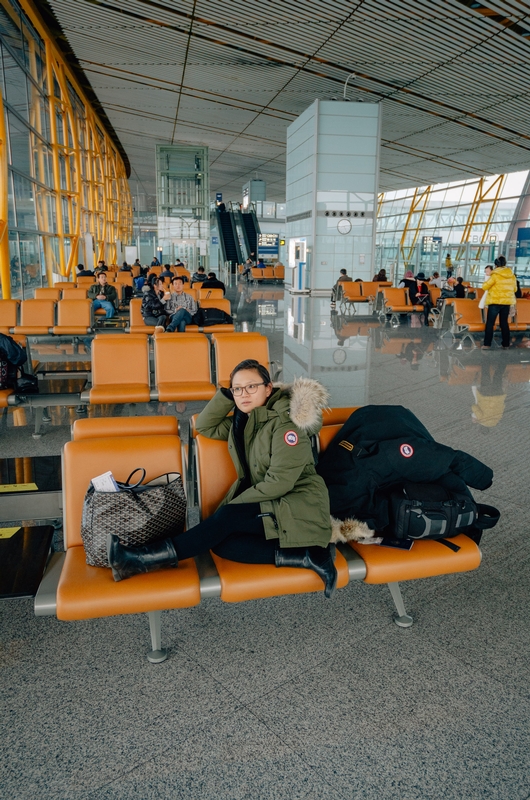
(488, 516)
(135, 485)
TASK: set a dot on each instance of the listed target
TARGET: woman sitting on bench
(277, 511)
(153, 305)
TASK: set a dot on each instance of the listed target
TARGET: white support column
(332, 188)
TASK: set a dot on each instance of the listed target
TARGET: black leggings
(235, 532)
(502, 311)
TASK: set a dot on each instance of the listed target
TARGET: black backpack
(429, 511)
(204, 317)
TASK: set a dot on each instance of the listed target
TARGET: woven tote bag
(138, 514)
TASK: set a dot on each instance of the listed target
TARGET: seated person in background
(102, 267)
(103, 295)
(277, 510)
(448, 288)
(246, 268)
(381, 276)
(199, 276)
(260, 264)
(137, 263)
(460, 289)
(155, 262)
(419, 295)
(343, 276)
(212, 283)
(153, 305)
(166, 272)
(125, 267)
(180, 263)
(81, 271)
(407, 281)
(436, 280)
(180, 307)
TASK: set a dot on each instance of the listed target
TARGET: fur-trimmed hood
(307, 399)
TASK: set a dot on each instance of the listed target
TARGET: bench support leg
(402, 619)
(157, 654)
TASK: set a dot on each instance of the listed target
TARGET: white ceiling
(452, 76)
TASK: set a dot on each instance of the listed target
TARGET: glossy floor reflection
(298, 697)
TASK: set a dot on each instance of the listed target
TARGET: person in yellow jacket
(501, 287)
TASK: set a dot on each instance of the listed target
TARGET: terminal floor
(300, 697)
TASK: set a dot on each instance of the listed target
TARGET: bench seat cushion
(70, 330)
(425, 559)
(111, 393)
(473, 326)
(147, 329)
(241, 582)
(32, 329)
(182, 391)
(4, 394)
(399, 309)
(101, 596)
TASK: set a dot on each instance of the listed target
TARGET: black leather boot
(128, 561)
(320, 559)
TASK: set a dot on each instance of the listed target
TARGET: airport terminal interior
(313, 156)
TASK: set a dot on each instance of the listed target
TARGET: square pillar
(332, 187)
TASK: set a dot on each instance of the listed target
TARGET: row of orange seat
(183, 365)
(466, 316)
(75, 316)
(71, 590)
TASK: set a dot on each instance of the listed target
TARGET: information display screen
(268, 245)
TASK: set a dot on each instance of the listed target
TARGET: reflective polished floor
(299, 697)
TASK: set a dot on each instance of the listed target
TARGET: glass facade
(67, 191)
(472, 221)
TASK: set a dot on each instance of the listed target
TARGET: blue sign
(268, 245)
(219, 197)
(215, 240)
(523, 243)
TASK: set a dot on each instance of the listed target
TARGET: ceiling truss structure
(452, 76)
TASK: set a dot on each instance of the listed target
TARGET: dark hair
(167, 266)
(251, 363)
(177, 278)
(344, 272)
(80, 266)
(211, 275)
(500, 261)
(152, 279)
(460, 280)
(201, 269)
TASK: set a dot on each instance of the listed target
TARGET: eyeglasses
(250, 388)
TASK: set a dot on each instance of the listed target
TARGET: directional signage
(268, 245)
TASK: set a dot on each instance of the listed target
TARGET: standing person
(153, 307)
(277, 510)
(180, 307)
(448, 266)
(212, 283)
(103, 296)
(501, 287)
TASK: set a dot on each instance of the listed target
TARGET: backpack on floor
(429, 511)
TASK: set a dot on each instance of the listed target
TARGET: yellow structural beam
(490, 194)
(5, 277)
(90, 192)
(414, 222)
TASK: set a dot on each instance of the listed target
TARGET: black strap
(451, 545)
(488, 516)
(134, 485)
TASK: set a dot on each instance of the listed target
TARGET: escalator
(228, 238)
(251, 230)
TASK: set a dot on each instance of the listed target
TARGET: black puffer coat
(380, 447)
(152, 305)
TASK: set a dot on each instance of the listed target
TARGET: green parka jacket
(280, 460)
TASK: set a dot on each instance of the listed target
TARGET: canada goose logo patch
(406, 450)
(291, 438)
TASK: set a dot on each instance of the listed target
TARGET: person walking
(501, 287)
